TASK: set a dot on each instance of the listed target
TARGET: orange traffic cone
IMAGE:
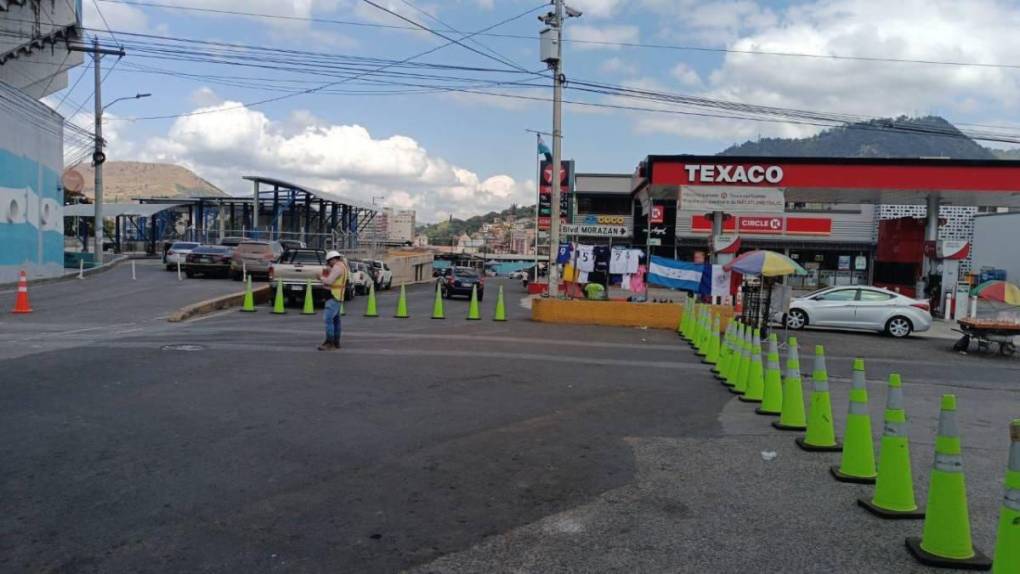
(21, 304)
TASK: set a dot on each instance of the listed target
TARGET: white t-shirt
(585, 258)
(618, 262)
(633, 259)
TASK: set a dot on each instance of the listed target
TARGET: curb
(261, 294)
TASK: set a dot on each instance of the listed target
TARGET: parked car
(869, 308)
(208, 260)
(381, 273)
(255, 257)
(361, 276)
(460, 281)
(299, 266)
(178, 253)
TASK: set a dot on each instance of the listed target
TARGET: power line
(331, 84)
(673, 47)
(105, 23)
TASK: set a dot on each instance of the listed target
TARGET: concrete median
(261, 294)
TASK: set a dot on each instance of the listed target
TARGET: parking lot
(228, 443)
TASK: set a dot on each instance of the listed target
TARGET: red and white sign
(953, 249)
(658, 214)
(760, 224)
(766, 225)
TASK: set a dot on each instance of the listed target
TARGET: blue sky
(443, 153)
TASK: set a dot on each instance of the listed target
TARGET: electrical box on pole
(549, 46)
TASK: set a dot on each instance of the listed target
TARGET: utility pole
(552, 55)
(98, 157)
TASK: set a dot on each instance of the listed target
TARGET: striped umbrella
(1003, 291)
(765, 263)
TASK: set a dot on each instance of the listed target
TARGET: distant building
(34, 61)
(393, 226)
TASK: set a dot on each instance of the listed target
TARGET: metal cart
(987, 332)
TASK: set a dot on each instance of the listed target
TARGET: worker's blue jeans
(332, 317)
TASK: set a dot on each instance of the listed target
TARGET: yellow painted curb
(615, 313)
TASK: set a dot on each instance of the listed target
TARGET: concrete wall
(410, 268)
(31, 198)
(995, 244)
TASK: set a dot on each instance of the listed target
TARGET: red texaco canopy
(850, 180)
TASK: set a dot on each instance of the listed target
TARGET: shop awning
(118, 209)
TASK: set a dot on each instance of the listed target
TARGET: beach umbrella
(765, 263)
(1002, 291)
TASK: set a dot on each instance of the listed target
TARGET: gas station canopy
(992, 183)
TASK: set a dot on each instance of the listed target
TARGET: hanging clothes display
(637, 280)
(564, 253)
(618, 261)
(585, 258)
(632, 260)
(602, 258)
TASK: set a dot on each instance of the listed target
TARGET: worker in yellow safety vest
(334, 277)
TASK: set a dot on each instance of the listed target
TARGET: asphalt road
(229, 444)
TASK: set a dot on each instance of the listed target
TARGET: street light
(98, 158)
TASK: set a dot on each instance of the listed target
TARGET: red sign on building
(766, 225)
(760, 224)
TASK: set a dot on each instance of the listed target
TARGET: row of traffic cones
(946, 537)
(371, 309)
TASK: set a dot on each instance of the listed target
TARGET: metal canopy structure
(118, 209)
(282, 205)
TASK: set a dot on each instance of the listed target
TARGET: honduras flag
(544, 150)
(676, 274)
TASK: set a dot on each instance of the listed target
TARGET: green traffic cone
(402, 304)
(772, 392)
(821, 432)
(945, 541)
(858, 462)
(309, 308)
(343, 310)
(278, 307)
(1007, 544)
(500, 314)
(792, 417)
(473, 309)
(437, 307)
(249, 297)
(894, 487)
(755, 374)
(370, 310)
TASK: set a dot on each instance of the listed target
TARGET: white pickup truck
(381, 273)
(299, 266)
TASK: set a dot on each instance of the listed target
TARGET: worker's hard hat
(332, 255)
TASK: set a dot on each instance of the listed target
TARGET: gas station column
(931, 237)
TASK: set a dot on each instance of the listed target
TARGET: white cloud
(980, 31)
(714, 22)
(614, 33)
(617, 65)
(235, 140)
(596, 8)
(118, 16)
(686, 75)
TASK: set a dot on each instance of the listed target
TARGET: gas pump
(949, 253)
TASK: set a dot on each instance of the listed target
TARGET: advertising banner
(545, 192)
(732, 199)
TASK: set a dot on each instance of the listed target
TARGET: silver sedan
(858, 307)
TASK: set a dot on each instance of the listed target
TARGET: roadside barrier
(772, 393)
(309, 308)
(740, 382)
(249, 298)
(858, 461)
(370, 309)
(792, 416)
(473, 314)
(946, 541)
(437, 306)
(1007, 543)
(821, 431)
(712, 354)
(278, 307)
(755, 374)
(401, 304)
(894, 488)
(500, 314)
(21, 304)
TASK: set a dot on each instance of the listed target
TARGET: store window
(815, 207)
(604, 204)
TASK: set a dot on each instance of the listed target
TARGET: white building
(34, 61)
(393, 226)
